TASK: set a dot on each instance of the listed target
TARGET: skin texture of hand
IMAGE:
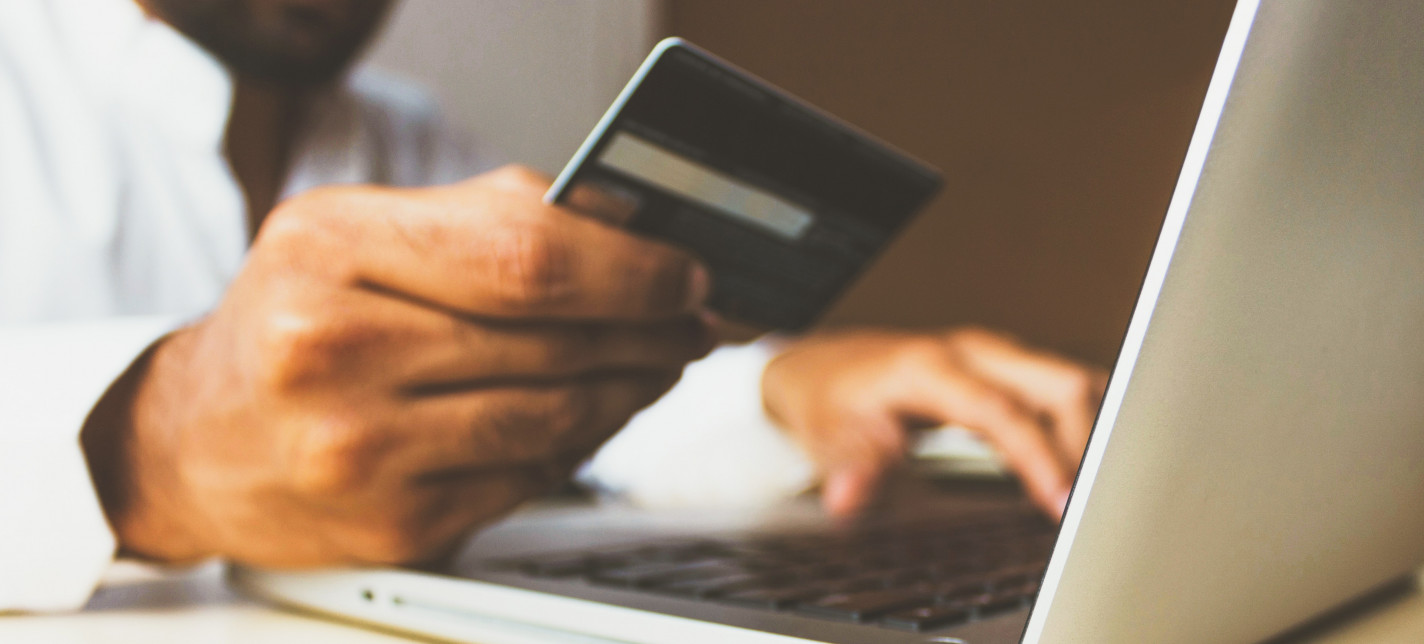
(853, 398)
(391, 369)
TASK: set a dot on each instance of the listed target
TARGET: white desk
(142, 607)
(139, 607)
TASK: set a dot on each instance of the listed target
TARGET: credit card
(784, 203)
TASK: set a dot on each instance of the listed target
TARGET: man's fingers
(422, 348)
(1031, 406)
(471, 499)
(463, 352)
(848, 441)
(852, 450)
(604, 203)
(362, 337)
(428, 521)
(950, 395)
(848, 490)
(461, 432)
(488, 247)
(855, 454)
(1069, 394)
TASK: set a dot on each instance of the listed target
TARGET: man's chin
(288, 43)
(292, 72)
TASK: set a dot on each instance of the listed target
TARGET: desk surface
(140, 606)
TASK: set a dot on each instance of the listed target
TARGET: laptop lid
(1258, 458)
(1260, 453)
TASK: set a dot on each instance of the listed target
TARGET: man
(384, 369)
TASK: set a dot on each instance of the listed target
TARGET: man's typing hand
(391, 369)
(852, 398)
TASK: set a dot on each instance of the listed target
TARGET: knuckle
(533, 266)
(518, 177)
(921, 355)
(973, 336)
(289, 223)
(924, 347)
(310, 233)
(300, 348)
(288, 360)
(282, 229)
(333, 458)
(301, 219)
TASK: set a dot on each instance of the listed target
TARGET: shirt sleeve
(707, 443)
(54, 541)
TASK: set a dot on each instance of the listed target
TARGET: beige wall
(1059, 126)
(529, 77)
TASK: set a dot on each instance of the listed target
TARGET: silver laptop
(1258, 459)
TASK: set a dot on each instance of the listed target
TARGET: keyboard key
(911, 577)
(718, 586)
(666, 574)
(927, 618)
(992, 604)
(633, 575)
(567, 567)
(866, 605)
(824, 572)
(962, 586)
(773, 598)
(788, 594)
(900, 577)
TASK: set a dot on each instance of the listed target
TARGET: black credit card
(785, 203)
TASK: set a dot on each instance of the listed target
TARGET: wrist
(135, 481)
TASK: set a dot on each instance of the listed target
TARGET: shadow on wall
(1060, 128)
(529, 78)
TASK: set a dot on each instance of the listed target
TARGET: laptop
(1258, 459)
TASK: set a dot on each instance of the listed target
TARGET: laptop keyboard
(917, 577)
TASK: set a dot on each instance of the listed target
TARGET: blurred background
(1060, 127)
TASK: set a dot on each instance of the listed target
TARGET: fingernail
(710, 318)
(699, 286)
(1063, 502)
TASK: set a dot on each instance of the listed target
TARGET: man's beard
(293, 43)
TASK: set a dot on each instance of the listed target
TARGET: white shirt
(120, 220)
